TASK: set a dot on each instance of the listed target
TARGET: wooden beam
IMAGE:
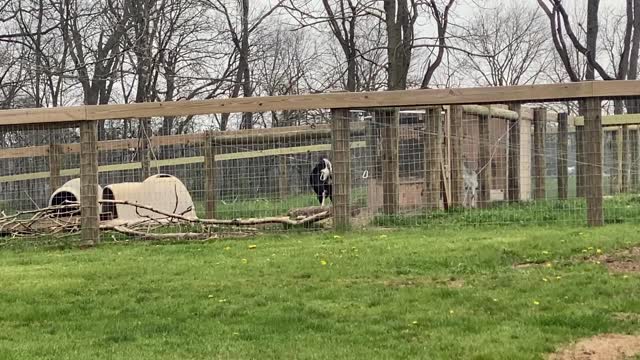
(432, 146)
(490, 112)
(341, 169)
(89, 214)
(254, 136)
(184, 161)
(613, 120)
(457, 178)
(484, 163)
(478, 95)
(563, 145)
(539, 161)
(593, 160)
(513, 156)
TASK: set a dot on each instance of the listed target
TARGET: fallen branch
(169, 236)
(285, 220)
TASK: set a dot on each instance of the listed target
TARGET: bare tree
(241, 26)
(400, 18)
(562, 27)
(505, 45)
(93, 33)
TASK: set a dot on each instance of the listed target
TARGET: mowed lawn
(431, 293)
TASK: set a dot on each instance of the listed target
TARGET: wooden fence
(86, 117)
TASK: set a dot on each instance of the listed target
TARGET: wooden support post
(145, 148)
(341, 169)
(56, 155)
(579, 161)
(210, 176)
(283, 177)
(390, 162)
(513, 156)
(593, 161)
(456, 136)
(563, 144)
(432, 142)
(611, 138)
(89, 215)
(625, 159)
(633, 159)
(539, 163)
(484, 163)
(374, 165)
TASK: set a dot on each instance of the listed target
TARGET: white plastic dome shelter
(162, 192)
(68, 192)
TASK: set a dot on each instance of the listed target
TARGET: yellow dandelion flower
(545, 252)
(548, 265)
(244, 261)
(414, 322)
(210, 296)
(599, 251)
(495, 300)
(337, 236)
(545, 279)
(323, 263)
(252, 246)
(227, 248)
(536, 302)
(450, 311)
(625, 276)
(558, 277)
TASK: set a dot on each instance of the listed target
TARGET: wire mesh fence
(490, 164)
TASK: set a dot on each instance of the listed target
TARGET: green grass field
(443, 292)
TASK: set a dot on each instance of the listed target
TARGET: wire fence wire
(440, 165)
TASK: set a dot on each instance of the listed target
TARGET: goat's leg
(323, 198)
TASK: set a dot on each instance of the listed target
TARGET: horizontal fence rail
(398, 98)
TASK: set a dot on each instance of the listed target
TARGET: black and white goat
(320, 180)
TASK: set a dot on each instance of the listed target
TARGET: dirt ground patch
(627, 261)
(411, 282)
(627, 317)
(601, 347)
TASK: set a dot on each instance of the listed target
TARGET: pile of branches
(64, 220)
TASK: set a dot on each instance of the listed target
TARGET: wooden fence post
(341, 168)
(283, 177)
(145, 148)
(89, 215)
(513, 150)
(593, 164)
(210, 175)
(539, 162)
(626, 158)
(633, 158)
(432, 143)
(484, 163)
(56, 153)
(563, 144)
(390, 161)
(456, 136)
(580, 161)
